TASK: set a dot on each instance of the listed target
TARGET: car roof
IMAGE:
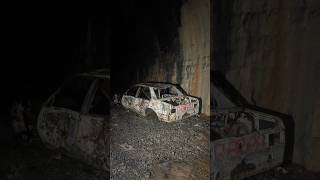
(155, 85)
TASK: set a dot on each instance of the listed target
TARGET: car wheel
(151, 115)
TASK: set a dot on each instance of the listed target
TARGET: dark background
(136, 27)
(46, 42)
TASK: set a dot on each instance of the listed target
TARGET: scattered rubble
(154, 150)
(116, 99)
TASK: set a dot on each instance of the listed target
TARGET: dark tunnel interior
(140, 31)
(49, 42)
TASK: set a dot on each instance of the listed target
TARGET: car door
(142, 100)
(129, 97)
(93, 131)
(59, 117)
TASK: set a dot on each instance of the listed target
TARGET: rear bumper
(179, 115)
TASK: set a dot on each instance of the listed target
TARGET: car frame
(74, 119)
(153, 100)
(245, 140)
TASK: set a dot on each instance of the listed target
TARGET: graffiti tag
(240, 146)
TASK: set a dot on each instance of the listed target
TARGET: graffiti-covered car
(244, 140)
(163, 101)
(75, 118)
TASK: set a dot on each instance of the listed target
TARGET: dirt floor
(146, 149)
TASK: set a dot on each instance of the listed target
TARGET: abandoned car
(75, 118)
(162, 101)
(244, 140)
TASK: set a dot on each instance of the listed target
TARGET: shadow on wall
(222, 20)
(218, 78)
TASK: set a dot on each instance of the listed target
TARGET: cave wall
(183, 58)
(195, 44)
(271, 55)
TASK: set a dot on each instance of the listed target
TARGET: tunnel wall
(195, 44)
(184, 59)
(272, 56)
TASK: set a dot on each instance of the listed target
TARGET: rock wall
(195, 43)
(271, 56)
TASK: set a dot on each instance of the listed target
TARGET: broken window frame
(51, 100)
(222, 113)
(267, 124)
(126, 93)
(96, 88)
(141, 90)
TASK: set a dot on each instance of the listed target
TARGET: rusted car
(244, 140)
(75, 118)
(163, 101)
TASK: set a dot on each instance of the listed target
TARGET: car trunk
(182, 106)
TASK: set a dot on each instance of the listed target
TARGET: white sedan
(161, 101)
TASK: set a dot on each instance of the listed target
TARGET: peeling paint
(244, 141)
(244, 137)
(81, 134)
(165, 100)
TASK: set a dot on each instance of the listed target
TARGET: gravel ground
(146, 149)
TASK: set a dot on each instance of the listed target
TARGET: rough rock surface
(146, 149)
(269, 51)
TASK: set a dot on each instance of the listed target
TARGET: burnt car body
(162, 101)
(75, 118)
(244, 140)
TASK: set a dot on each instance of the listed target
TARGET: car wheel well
(150, 113)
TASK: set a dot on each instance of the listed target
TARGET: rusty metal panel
(246, 142)
(84, 136)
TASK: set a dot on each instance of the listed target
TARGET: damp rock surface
(147, 149)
